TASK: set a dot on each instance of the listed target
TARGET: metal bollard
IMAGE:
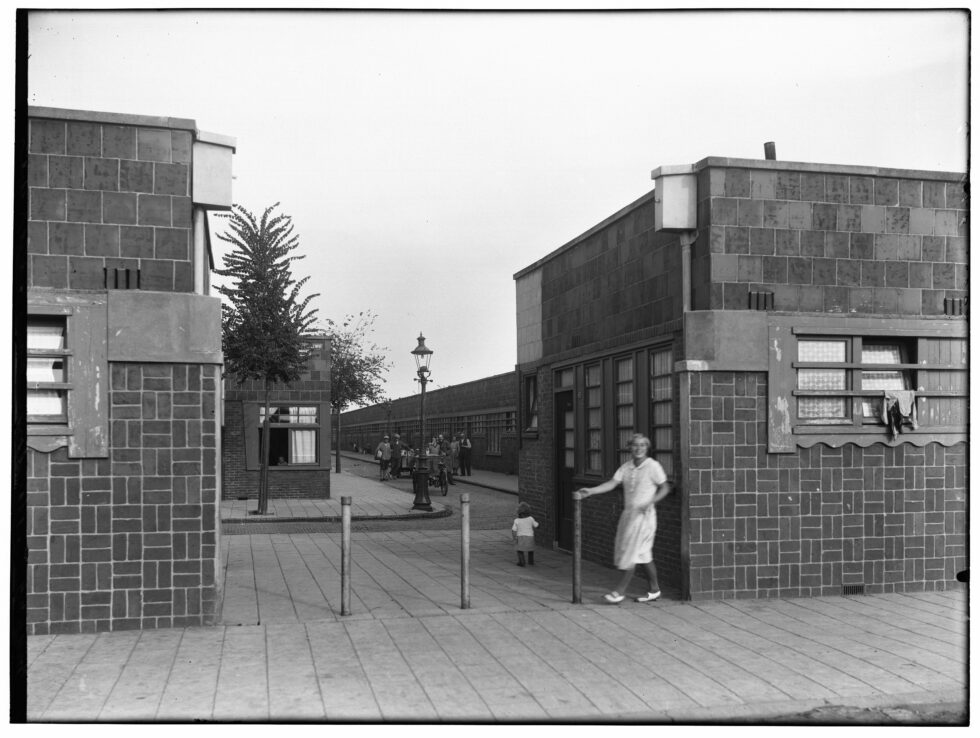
(464, 501)
(577, 553)
(345, 556)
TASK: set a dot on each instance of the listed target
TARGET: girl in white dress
(644, 484)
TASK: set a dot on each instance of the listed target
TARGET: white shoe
(650, 597)
(614, 597)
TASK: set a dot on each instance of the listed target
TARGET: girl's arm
(581, 494)
(662, 491)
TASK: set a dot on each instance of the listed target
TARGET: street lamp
(420, 479)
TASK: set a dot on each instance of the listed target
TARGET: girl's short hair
(523, 510)
(640, 438)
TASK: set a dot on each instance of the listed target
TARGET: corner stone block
(872, 219)
(171, 243)
(119, 207)
(922, 221)
(86, 273)
(37, 170)
(170, 179)
(947, 223)
(65, 172)
(136, 176)
(862, 191)
(136, 242)
(101, 240)
(762, 185)
(724, 211)
(956, 195)
(886, 191)
(119, 142)
(737, 183)
(101, 174)
(84, 139)
(154, 145)
(183, 276)
(49, 271)
(933, 194)
(47, 137)
(157, 275)
(181, 147)
(37, 237)
(48, 204)
(154, 210)
(84, 207)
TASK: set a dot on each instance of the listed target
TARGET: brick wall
(129, 541)
(108, 196)
(615, 285)
(890, 518)
(834, 242)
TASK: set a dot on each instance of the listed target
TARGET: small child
(523, 532)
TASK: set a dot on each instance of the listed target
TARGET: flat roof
(730, 163)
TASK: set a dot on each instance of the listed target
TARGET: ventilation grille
(761, 300)
(852, 589)
(955, 306)
(122, 279)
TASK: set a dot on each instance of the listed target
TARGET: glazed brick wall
(890, 518)
(129, 541)
(617, 285)
(109, 196)
(491, 394)
(835, 243)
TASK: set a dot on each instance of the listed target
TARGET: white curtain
(302, 447)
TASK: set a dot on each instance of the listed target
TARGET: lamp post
(420, 479)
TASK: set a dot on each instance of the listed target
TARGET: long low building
(484, 409)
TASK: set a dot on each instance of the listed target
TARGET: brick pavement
(522, 652)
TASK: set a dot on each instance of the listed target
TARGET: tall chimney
(770, 147)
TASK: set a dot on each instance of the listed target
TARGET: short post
(464, 502)
(577, 552)
(345, 556)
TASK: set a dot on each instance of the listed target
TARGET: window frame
(531, 403)
(252, 426)
(58, 424)
(786, 434)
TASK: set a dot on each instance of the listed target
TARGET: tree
(356, 367)
(264, 322)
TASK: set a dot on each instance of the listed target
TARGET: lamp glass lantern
(423, 355)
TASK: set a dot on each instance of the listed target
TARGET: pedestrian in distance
(454, 454)
(465, 451)
(383, 455)
(523, 532)
(644, 485)
(446, 453)
(397, 450)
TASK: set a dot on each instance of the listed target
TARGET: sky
(426, 157)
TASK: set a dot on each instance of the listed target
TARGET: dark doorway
(564, 467)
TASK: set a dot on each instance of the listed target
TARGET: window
(593, 411)
(661, 401)
(47, 370)
(842, 380)
(531, 403)
(625, 422)
(294, 434)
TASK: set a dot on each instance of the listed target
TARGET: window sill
(532, 434)
(836, 437)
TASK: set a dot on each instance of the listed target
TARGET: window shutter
(782, 349)
(250, 423)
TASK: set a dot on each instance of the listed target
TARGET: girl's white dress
(638, 523)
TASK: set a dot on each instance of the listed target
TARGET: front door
(564, 468)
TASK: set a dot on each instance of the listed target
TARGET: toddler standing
(523, 532)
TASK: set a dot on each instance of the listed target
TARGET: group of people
(456, 454)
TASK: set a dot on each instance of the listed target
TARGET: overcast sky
(427, 157)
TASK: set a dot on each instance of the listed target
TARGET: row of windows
(842, 381)
(614, 406)
(489, 426)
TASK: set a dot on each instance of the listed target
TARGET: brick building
(299, 433)
(123, 371)
(485, 409)
(754, 318)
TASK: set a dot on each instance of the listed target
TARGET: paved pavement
(522, 652)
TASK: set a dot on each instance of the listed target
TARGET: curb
(445, 512)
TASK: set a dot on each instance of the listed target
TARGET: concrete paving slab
(144, 677)
(191, 688)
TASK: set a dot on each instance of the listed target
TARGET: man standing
(465, 449)
(397, 449)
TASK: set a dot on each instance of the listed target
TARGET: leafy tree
(264, 321)
(356, 368)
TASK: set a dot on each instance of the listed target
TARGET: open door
(564, 467)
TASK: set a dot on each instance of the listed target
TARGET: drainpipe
(200, 252)
(687, 240)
